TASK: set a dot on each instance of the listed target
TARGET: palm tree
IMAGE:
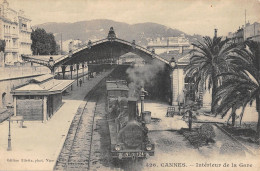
(234, 92)
(243, 84)
(207, 61)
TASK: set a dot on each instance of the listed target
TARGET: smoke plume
(142, 76)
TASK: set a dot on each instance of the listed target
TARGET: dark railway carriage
(128, 132)
(115, 89)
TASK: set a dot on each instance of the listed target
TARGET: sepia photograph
(129, 85)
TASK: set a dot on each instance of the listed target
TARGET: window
(37, 97)
(3, 99)
(189, 88)
(21, 97)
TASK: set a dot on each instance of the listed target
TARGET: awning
(51, 86)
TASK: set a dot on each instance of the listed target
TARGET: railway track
(76, 151)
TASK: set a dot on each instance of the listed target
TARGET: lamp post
(173, 65)
(9, 148)
(142, 100)
(143, 92)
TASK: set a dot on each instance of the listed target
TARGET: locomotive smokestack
(216, 33)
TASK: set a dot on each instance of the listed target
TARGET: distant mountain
(98, 29)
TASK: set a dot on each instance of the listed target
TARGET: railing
(26, 30)
(11, 49)
(34, 60)
(14, 35)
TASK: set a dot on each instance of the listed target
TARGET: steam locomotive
(128, 131)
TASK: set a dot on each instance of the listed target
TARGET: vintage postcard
(134, 85)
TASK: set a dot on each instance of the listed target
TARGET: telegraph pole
(245, 17)
(245, 27)
(61, 43)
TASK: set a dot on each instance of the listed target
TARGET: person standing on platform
(80, 82)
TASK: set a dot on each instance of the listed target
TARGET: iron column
(9, 148)
(83, 72)
(71, 69)
(63, 71)
(77, 74)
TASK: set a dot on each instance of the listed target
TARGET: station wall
(7, 85)
(30, 109)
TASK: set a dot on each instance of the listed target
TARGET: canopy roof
(102, 51)
(43, 85)
(117, 85)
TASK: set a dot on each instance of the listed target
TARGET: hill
(98, 29)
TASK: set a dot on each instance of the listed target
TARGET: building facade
(183, 88)
(252, 31)
(75, 44)
(132, 59)
(15, 29)
(247, 32)
(169, 44)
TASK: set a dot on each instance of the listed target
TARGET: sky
(189, 16)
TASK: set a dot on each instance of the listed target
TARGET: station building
(15, 30)
(182, 87)
(40, 98)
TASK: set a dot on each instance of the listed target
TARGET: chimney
(216, 31)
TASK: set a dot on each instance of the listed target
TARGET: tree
(243, 85)
(207, 61)
(43, 43)
(234, 93)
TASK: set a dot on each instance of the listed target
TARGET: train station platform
(37, 145)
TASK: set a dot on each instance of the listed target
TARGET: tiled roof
(116, 86)
(30, 87)
(48, 87)
(175, 54)
(184, 59)
(42, 78)
(61, 85)
(49, 84)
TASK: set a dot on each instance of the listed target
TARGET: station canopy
(106, 50)
(43, 85)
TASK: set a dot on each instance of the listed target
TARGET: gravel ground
(172, 150)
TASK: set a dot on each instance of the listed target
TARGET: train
(128, 131)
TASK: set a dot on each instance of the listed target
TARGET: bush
(206, 132)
